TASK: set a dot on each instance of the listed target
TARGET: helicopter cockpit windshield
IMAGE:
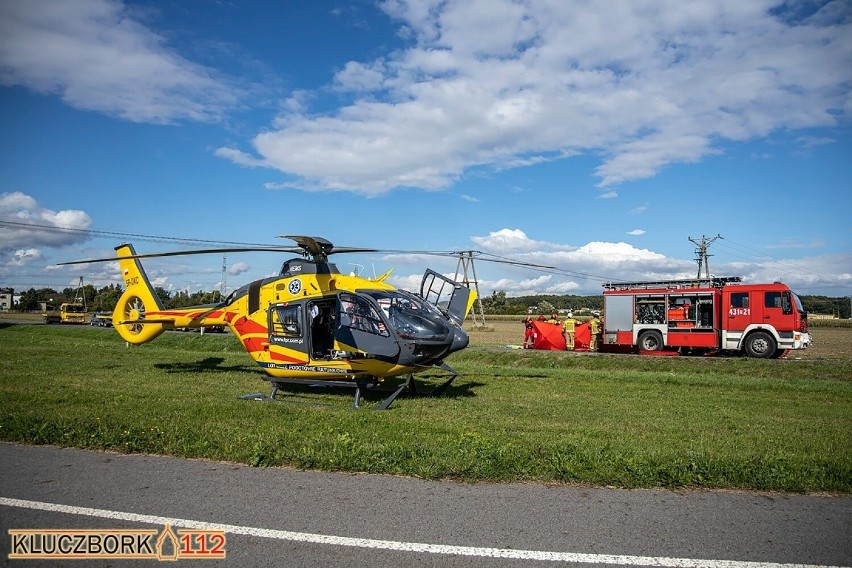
(411, 316)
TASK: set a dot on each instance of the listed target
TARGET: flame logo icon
(168, 539)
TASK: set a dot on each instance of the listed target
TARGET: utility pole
(224, 273)
(465, 262)
(703, 257)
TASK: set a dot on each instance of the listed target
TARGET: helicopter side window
(286, 321)
(356, 313)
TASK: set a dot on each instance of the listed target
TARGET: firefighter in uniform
(595, 332)
(529, 333)
(568, 328)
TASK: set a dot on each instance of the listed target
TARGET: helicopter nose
(460, 340)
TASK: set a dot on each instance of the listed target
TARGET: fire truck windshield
(798, 303)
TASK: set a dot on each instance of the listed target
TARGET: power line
(763, 256)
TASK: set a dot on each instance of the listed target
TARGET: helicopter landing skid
(278, 384)
(437, 391)
(408, 387)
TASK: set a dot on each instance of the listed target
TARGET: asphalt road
(283, 517)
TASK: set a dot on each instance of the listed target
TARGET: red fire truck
(703, 315)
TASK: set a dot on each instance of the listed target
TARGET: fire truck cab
(702, 315)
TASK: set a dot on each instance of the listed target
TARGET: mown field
(512, 415)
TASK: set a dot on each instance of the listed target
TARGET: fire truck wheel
(760, 344)
(650, 340)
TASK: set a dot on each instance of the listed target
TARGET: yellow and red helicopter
(312, 324)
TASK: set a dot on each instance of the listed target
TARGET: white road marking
(616, 559)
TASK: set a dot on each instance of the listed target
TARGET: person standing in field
(529, 333)
(595, 329)
(568, 329)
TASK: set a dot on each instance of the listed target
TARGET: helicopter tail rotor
(139, 297)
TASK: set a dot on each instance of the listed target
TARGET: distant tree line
(104, 300)
(497, 303)
(839, 307)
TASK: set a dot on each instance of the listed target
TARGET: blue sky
(595, 137)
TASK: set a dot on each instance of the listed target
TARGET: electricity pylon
(703, 257)
(464, 264)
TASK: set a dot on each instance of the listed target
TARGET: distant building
(7, 299)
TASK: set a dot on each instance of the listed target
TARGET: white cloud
(797, 243)
(644, 157)
(358, 77)
(23, 257)
(608, 195)
(577, 269)
(499, 83)
(24, 223)
(817, 275)
(613, 253)
(814, 141)
(239, 157)
(508, 241)
(546, 284)
(97, 56)
(238, 268)
(636, 232)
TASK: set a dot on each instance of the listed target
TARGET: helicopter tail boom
(139, 297)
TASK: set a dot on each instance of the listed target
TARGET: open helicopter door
(363, 326)
(446, 294)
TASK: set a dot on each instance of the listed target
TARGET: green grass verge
(614, 420)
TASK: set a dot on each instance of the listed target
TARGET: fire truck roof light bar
(715, 282)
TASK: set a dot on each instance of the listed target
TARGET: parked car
(101, 320)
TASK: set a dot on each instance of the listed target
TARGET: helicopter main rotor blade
(343, 250)
(190, 252)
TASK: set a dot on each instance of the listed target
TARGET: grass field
(615, 420)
